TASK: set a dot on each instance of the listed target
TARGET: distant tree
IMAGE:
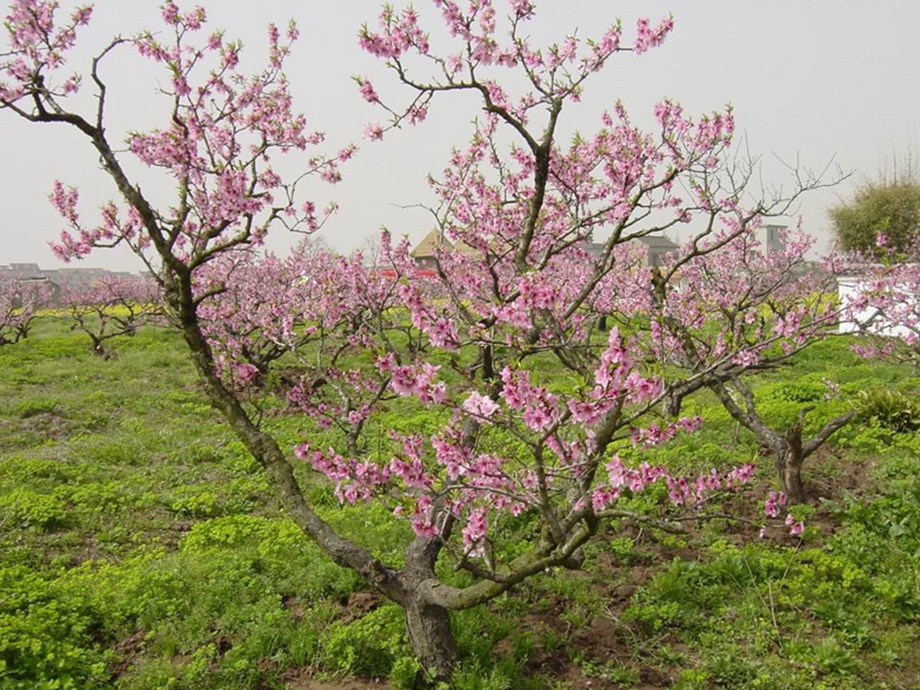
(886, 208)
(884, 307)
(111, 307)
(19, 305)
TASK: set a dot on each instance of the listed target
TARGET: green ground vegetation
(141, 548)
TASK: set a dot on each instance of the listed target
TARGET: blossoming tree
(881, 301)
(112, 306)
(739, 310)
(20, 301)
(471, 342)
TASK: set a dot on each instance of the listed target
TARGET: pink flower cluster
(681, 490)
(38, 47)
(225, 127)
(415, 380)
(775, 504)
(650, 37)
(883, 307)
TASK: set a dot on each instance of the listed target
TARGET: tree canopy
(883, 210)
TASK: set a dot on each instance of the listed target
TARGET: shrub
(891, 410)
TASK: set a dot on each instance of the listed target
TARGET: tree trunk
(789, 473)
(790, 455)
(98, 348)
(431, 638)
(488, 363)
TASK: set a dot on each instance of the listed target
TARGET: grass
(141, 547)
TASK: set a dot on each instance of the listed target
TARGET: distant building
(21, 271)
(51, 292)
(870, 319)
(653, 248)
(81, 276)
(425, 252)
(656, 248)
(772, 238)
(60, 278)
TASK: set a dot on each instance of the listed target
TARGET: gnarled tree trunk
(788, 456)
(431, 637)
(789, 448)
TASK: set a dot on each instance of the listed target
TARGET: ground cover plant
(478, 417)
(142, 547)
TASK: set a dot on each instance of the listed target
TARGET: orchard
(481, 410)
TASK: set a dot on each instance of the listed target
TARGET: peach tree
(542, 229)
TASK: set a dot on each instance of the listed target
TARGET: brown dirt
(128, 649)
(827, 476)
(360, 604)
(607, 640)
(45, 426)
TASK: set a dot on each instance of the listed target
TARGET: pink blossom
(774, 504)
(367, 90)
(480, 405)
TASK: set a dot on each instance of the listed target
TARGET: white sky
(811, 80)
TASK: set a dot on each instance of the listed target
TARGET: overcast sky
(810, 81)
